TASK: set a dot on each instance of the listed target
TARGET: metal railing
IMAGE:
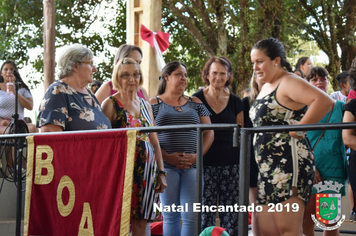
(246, 134)
(244, 169)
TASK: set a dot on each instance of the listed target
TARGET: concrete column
(148, 13)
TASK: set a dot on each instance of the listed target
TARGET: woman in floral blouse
(68, 104)
(126, 110)
(286, 167)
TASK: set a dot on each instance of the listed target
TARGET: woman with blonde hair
(125, 50)
(125, 109)
(255, 87)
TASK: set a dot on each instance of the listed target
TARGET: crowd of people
(285, 166)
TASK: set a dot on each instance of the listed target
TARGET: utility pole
(49, 37)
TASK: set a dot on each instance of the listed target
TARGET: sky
(37, 93)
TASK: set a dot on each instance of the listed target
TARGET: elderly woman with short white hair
(68, 104)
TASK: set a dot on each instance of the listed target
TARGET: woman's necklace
(217, 98)
(180, 105)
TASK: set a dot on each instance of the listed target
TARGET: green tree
(230, 28)
(332, 25)
(21, 29)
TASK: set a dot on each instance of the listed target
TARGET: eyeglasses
(127, 76)
(91, 63)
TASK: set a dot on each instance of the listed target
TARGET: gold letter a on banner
(86, 217)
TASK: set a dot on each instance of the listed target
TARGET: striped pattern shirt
(188, 114)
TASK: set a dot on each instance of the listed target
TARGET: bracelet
(161, 172)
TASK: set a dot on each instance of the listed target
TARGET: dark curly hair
(317, 70)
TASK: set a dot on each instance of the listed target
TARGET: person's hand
(4, 122)
(295, 135)
(161, 183)
(317, 177)
(10, 88)
(181, 160)
(185, 161)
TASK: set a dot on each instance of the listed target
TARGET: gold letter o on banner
(65, 210)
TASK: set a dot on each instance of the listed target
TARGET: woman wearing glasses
(124, 110)
(125, 50)
(68, 104)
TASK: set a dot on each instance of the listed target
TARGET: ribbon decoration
(158, 40)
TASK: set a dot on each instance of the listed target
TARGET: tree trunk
(49, 42)
(347, 37)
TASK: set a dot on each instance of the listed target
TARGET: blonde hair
(116, 74)
(125, 50)
(255, 90)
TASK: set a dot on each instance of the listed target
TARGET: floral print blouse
(64, 106)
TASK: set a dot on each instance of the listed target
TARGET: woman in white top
(7, 97)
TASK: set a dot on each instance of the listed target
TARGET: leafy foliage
(21, 30)
(332, 25)
(230, 28)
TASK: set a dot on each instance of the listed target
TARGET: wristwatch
(161, 172)
(300, 133)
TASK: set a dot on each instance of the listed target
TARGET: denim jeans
(181, 189)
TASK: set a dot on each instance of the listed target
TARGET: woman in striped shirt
(172, 107)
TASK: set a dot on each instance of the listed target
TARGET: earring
(276, 64)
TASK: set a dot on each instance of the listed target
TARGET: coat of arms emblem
(328, 206)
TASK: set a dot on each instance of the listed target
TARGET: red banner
(79, 184)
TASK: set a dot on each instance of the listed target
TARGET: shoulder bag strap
(316, 143)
